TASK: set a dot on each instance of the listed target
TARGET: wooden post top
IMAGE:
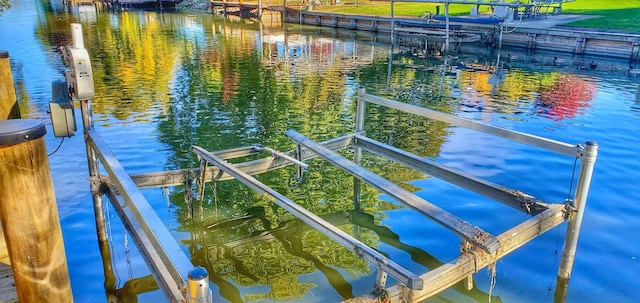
(4, 54)
(17, 131)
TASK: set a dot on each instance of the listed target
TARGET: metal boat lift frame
(169, 263)
(480, 248)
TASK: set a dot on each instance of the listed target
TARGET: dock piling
(29, 214)
(8, 100)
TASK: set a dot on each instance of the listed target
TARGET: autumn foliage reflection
(566, 96)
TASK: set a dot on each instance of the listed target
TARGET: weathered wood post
(29, 214)
(8, 100)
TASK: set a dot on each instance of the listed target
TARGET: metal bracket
(95, 185)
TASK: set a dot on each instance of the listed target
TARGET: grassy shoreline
(618, 15)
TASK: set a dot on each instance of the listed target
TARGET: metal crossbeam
(467, 231)
(400, 273)
(178, 177)
(513, 198)
(553, 145)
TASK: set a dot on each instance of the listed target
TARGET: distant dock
(533, 34)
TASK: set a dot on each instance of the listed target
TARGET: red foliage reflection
(567, 94)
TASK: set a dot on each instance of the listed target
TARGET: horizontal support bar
(512, 198)
(467, 231)
(466, 264)
(178, 177)
(552, 145)
(277, 154)
(398, 272)
(174, 263)
(237, 152)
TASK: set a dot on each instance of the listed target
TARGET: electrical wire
(57, 148)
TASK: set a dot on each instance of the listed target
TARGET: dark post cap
(4, 54)
(17, 131)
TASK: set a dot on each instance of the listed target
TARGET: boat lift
(177, 277)
(480, 249)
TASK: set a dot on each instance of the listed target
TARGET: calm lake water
(166, 81)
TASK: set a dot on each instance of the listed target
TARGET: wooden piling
(8, 100)
(29, 214)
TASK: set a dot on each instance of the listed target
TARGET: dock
(239, 8)
(7, 284)
(534, 33)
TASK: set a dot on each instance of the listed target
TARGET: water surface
(166, 81)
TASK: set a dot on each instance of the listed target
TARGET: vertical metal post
(94, 172)
(299, 158)
(588, 159)
(393, 26)
(360, 110)
(389, 66)
(446, 27)
(501, 31)
(381, 279)
(201, 180)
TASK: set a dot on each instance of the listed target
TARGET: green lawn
(620, 14)
(614, 14)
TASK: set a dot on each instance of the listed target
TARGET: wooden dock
(529, 35)
(239, 8)
(138, 3)
(7, 284)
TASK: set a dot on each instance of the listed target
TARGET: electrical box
(63, 118)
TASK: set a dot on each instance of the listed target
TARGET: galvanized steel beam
(512, 198)
(400, 273)
(177, 177)
(467, 231)
(553, 145)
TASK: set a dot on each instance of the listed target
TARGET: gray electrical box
(63, 118)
